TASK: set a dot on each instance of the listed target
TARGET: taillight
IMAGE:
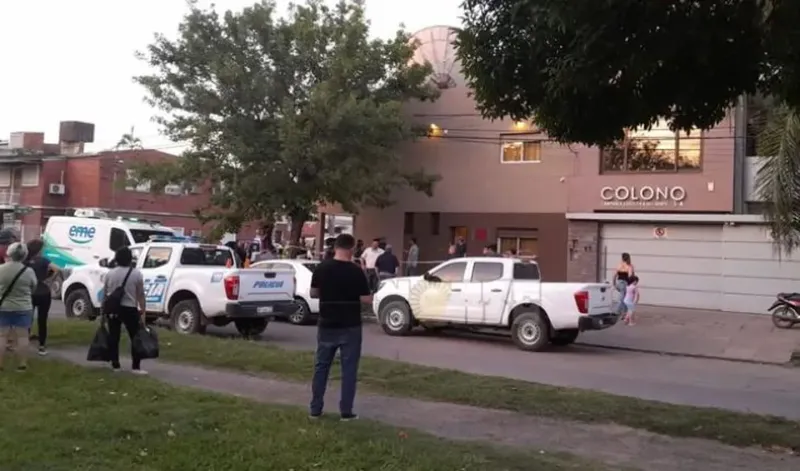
(582, 301)
(232, 287)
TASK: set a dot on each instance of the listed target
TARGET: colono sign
(643, 196)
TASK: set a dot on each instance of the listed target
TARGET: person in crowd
(452, 251)
(7, 237)
(41, 297)
(490, 250)
(17, 285)
(368, 259)
(510, 253)
(341, 288)
(387, 265)
(461, 247)
(412, 259)
(622, 279)
(328, 252)
(382, 243)
(359, 250)
(631, 299)
(132, 306)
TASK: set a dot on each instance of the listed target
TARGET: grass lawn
(404, 379)
(61, 417)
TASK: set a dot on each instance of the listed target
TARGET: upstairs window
(514, 150)
(656, 150)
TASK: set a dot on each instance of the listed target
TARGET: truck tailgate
(258, 284)
(599, 298)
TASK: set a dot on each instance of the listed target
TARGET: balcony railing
(9, 198)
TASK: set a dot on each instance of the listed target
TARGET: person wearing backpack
(42, 298)
(17, 284)
(124, 304)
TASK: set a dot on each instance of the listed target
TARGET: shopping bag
(99, 350)
(145, 343)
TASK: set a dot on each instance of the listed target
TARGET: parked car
(307, 309)
(494, 294)
(190, 285)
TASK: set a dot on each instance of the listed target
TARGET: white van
(88, 237)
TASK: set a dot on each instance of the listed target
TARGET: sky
(67, 60)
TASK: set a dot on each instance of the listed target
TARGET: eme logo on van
(268, 284)
(81, 234)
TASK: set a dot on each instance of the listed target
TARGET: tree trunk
(296, 245)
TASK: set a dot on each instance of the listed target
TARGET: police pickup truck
(192, 285)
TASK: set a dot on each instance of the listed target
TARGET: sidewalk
(712, 334)
(615, 445)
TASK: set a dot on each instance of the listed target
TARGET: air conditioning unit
(174, 190)
(57, 189)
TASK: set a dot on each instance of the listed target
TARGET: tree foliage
(282, 113)
(586, 70)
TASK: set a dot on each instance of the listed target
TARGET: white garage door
(728, 268)
(680, 269)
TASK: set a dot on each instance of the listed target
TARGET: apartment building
(677, 202)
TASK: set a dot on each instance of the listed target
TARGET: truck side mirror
(103, 262)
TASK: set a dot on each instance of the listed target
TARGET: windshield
(141, 235)
(205, 256)
(311, 266)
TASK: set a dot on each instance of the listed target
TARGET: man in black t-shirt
(341, 287)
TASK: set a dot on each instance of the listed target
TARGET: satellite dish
(435, 46)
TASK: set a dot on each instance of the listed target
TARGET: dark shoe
(348, 417)
(22, 368)
(42, 351)
(315, 415)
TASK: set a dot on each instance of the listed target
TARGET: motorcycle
(786, 310)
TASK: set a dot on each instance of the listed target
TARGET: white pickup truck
(193, 285)
(491, 294)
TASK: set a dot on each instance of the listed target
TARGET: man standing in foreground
(341, 287)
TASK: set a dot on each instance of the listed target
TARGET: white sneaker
(139, 372)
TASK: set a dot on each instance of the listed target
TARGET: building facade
(676, 202)
(39, 180)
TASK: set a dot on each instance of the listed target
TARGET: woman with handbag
(42, 298)
(124, 304)
(17, 284)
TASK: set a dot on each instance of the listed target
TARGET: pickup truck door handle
(497, 290)
(455, 290)
(161, 277)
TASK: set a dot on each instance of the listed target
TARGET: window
(131, 185)
(205, 256)
(5, 177)
(408, 223)
(30, 175)
(520, 151)
(487, 271)
(157, 257)
(118, 239)
(136, 252)
(459, 232)
(435, 223)
(526, 271)
(523, 246)
(656, 150)
(311, 266)
(140, 235)
(452, 273)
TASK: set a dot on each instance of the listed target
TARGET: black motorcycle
(786, 310)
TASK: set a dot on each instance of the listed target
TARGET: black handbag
(100, 348)
(113, 300)
(145, 343)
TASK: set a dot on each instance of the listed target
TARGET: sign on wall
(643, 196)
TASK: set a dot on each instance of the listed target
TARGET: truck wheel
(55, 287)
(187, 318)
(395, 318)
(530, 331)
(302, 316)
(251, 327)
(79, 305)
(564, 337)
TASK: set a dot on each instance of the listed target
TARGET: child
(631, 299)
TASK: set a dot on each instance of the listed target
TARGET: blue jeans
(348, 342)
(621, 287)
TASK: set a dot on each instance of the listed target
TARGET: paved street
(765, 389)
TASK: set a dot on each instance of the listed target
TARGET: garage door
(682, 268)
(728, 268)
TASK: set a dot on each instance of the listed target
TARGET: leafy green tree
(284, 113)
(587, 70)
(128, 141)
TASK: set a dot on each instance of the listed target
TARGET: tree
(129, 141)
(586, 71)
(282, 114)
